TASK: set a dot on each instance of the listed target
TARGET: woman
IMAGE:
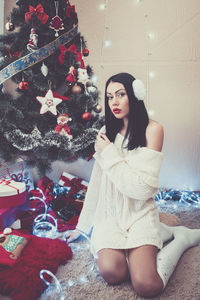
(120, 205)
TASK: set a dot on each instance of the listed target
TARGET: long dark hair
(138, 117)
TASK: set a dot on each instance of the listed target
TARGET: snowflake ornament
(49, 103)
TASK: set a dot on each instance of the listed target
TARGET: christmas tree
(56, 115)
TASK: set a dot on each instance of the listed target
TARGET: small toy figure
(32, 44)
(62, 128)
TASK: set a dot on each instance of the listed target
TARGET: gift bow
(39, 10)
(72, 49)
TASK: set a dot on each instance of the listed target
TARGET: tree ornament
(82, 75)
(32, 43)
(70, 77)
(56, 23)
(10, 26)
(86, 116)
(70, 9)
(62, 128)
(90, 87)
(44, 69)
(38, 11)
(23, 85)
(85, 52)
(77, 89)
(98, 108)
(49, 103)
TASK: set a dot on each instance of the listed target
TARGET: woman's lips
(116, 110)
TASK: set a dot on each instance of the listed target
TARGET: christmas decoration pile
(56, 114)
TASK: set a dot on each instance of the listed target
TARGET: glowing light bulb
(102, 6)
(151, 113)
(94, 78)
(151, 35)
(152, 74)
(107, 43)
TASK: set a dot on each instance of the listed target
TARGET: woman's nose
(115, 100)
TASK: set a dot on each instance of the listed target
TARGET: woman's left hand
(101, 142)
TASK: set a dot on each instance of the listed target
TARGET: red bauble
(87, 116)
(85, 52)
(24, 86)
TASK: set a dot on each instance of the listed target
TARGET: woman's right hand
(72, 235)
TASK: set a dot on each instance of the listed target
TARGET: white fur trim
(139, 89)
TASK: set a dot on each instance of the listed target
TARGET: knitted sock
(168, 256)
(166, 232)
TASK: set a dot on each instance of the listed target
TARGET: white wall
(158, 42)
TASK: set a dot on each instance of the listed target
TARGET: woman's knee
(147, 286)
(113, 269)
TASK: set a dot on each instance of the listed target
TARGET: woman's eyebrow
(116, 91)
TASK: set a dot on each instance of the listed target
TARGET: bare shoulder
(154, 136)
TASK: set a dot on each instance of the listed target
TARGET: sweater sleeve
(87, 214)
(136, 174)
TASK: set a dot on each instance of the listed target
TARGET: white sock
(168, 256)
(166, 232)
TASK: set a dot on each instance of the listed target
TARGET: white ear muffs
(139, 89)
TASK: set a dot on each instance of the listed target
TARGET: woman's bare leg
(143, 271)
(112, 265)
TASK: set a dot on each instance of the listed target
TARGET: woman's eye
(120, 95)
(109, 98)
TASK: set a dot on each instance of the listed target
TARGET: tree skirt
(22, 281)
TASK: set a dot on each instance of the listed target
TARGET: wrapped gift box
(12, 193)
(74, 183)
(18, 171)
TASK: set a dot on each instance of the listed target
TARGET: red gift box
(74, 183)
(12, 193)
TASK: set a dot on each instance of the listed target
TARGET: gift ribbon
(7, 182)
(16, 177)
(39, 11)
(33, 58)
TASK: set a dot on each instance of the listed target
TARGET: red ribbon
(72, 49)
(7, 182)
(39, 10)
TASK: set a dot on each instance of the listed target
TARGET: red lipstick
(116, 110)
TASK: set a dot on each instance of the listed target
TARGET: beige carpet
(183, 285)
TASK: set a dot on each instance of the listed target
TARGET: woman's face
(118, 100)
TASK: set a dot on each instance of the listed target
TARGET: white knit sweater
(120, 197)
